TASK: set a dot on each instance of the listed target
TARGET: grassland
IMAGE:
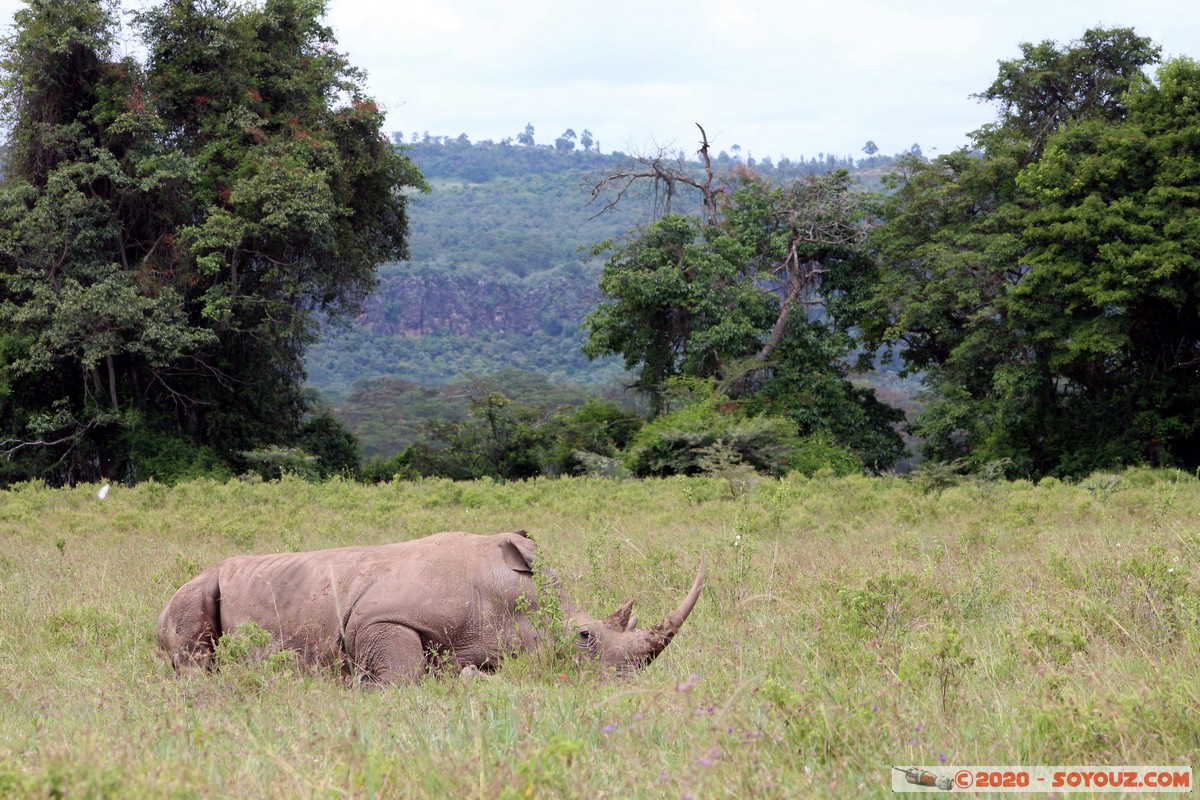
(847, 625)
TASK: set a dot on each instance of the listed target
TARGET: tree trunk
(112, 382)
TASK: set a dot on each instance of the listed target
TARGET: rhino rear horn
(619, 620)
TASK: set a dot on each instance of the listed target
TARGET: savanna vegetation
(175, 230)
(169, 252)
(847, 625)
(1039, 283)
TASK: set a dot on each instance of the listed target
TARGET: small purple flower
(609, 728)
(639, 716)
(662, 776)
(874, 708)
(706, 762)
(917, 727)
(942, 758)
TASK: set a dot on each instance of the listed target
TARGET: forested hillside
(177, 233)
(499, 278)
(499, 275)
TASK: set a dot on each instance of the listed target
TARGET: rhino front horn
(662, 634)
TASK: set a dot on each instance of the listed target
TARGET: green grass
(855, 624)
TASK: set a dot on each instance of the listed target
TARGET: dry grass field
(846, 625)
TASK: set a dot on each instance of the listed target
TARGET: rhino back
(453, 588)
(301, 598)
(458, 591)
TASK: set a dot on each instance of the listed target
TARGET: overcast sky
(777, 77)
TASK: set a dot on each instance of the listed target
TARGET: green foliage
(544, 610)
(681, 442)
(169, 228)
(272, 463)
(167, 458)
(578, 436)
(945, 660)
(781, 666)
(1050, 87)
(677, 305)
(334, 446)
(497, 440)
(809, 383)
(820, 452)
(1040, 279)
(686, 299)
(721, 460)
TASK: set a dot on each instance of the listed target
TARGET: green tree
(334, 446)
(169, 231)
(1051, 86)
(1111, 299)
(498, 440)
(677, 305)
(525, 137)
(995, 260)
(566, 142)
(728, 297)
(599, 427)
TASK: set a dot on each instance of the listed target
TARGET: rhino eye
(585, 635)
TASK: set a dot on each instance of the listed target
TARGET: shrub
(677, 443)
(168, 459)
(332, 443)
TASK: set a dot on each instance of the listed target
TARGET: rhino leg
(189, 626)
(387, 652)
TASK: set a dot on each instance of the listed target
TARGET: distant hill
(498, 278)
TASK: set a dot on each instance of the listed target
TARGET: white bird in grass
(103, 491)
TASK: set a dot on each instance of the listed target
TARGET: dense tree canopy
(168, 229)
(1047, 279)
(728, 297)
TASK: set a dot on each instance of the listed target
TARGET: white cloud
(775, 76)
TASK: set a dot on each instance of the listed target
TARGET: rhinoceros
(387, 613)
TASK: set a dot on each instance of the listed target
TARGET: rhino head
(617, 642)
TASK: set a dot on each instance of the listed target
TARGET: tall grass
(846, 625)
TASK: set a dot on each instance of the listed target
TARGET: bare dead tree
(818, 214)
(666, 174)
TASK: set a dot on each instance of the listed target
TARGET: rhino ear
(518, 555)
(619, 619)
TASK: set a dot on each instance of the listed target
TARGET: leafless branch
(815, 213)
(665, 174)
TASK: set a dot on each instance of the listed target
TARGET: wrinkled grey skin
(386, 613)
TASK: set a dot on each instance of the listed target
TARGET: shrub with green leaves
(678, 442)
